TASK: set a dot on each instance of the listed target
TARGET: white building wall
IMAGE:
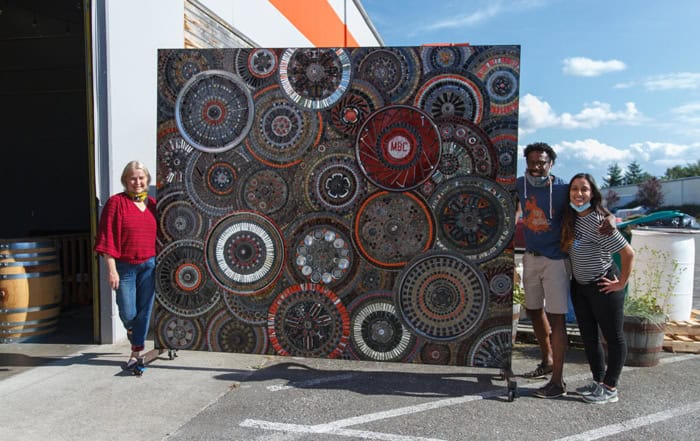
(676, 192)
(259, 20)
(267, 27)
(364, 33)
(135, 31)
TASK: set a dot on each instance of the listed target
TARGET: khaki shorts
(547, 283)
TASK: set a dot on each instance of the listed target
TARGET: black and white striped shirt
(591, 253)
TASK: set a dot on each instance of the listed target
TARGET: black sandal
(540, 371)
(131, 364)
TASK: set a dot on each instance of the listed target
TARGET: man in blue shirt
(546, 269)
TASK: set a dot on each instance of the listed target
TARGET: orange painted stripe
(317, 21)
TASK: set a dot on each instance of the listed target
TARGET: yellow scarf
(137, 197)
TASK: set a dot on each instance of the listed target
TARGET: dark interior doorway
(44, 126)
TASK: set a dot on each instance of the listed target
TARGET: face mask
(536, 181)
(582, 208)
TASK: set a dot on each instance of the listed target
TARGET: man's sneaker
(540, 371)
(551, 390)
(601, 395)
(587, 389)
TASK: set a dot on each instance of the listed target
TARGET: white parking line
(301, 428)
(307, 383)
(634, 423)
(338, 427)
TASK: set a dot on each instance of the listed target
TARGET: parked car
(624, 213)
(682, 220)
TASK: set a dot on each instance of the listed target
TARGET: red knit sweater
(125, 232)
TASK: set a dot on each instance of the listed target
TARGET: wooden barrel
(644, 341)
(30, 290)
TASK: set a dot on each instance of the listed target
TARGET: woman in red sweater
(126, 239)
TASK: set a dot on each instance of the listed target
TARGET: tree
(614, 177)
(650, 195)
(679, 171)
(611, 199)
(635, 174)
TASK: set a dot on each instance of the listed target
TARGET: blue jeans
(135, 297)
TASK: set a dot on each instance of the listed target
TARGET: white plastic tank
(665, 257)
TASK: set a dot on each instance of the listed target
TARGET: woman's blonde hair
(135, 165)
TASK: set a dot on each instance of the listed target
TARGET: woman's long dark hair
(569, 220)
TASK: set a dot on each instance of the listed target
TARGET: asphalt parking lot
(220, 396)
(78, 392)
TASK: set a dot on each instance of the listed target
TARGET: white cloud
(663, 152)
(585, 67)
(593, 150)
(484, 12)
(688, 114)
(626, 85)
(537, 114)
(679, 80)
(475, 17)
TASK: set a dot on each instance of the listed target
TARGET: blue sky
(601, 81)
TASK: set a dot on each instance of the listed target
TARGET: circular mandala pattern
(502, 132)
(282, 133)
(265, 191)
(321, 252)
(173, 155)
(466, 150)
(214, 111)
(183, 286)
(315, 78)
(175, 332)
(178, 219)
(499, 274)
(245, 252)
(212, 180)
(391, 228)
(491, 348)
(450, 95)
(441, 296)
(353, 109)
(251, 309)
(226, 334)
(374, 279)
(398, 148)
(442, 58)
(308, 320)
(376, 330)
(176, 67)
(257, 67)
(474, 217)
(334, 183)
(499, 69)
(435, 353)
(392, 71)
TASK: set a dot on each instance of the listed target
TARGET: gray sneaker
(601, 395)
(587, 389)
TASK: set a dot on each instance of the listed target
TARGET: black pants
(595, 309)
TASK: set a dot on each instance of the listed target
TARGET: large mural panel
(350, 203)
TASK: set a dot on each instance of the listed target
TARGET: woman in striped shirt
(126, 239)
(597, 285)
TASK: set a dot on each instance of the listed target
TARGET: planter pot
(645, 341)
